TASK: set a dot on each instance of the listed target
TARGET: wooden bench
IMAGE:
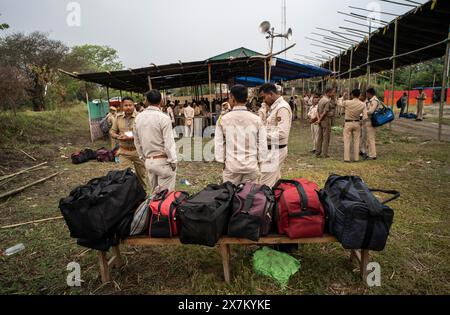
(361, 257)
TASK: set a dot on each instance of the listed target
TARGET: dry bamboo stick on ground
(31, 222)
(18, 190)
(28, 155)
(22, 171)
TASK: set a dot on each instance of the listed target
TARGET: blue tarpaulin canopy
(245, 69)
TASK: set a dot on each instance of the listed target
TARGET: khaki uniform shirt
(154, 135)
(372, 105)
(324, 106)
(421, 99)
(312, 113)
(121, 125)
(279, 122)
(354, 109)
(241, 141)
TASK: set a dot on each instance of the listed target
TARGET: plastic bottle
(116, 159)
(14, 250)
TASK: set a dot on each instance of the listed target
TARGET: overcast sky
(165, 31)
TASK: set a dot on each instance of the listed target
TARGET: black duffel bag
(100, 212)
(204, 217)
(354, 215)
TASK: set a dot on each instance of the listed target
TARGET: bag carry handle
(390, 192)
(300, 190)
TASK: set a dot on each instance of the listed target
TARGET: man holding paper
(122, 130)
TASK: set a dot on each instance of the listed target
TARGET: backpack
(100, 212)
(204, 217)
(163, 218)
(104, 155)
(252, 212)
(354, 215)
(299, 212)
(105, 126)
(399, 103)
(83, 156)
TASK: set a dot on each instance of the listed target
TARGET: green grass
(415, 261)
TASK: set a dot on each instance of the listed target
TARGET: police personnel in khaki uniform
(189, 114)
(278, 125)
(110, 118)
(372, 105)
(354, 109)
(155, 144)
(122, 130)
(325, 110)
(240, 140)
(420, 103)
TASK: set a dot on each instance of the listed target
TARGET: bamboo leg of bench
(117, 257)
(104, 267)
(225, 252)
(363, 263)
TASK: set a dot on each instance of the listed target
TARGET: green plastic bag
(279, 266)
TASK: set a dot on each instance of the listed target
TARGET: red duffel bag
(163, 214)
(299, 212)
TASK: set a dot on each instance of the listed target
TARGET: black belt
(352, 121)
(277, 147)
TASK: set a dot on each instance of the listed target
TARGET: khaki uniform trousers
(420, 110)
(161, 176)
(371, 135)
(131, 159)
(323, 139)
(352, 133)
(271, 171)
(314, 135)
(238, 179)
(363, 142)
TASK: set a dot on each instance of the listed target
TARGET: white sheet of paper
(129, 134)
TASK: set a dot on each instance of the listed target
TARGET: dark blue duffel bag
(382, 116)
(354, 215)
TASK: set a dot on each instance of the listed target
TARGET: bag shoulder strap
(300, 190)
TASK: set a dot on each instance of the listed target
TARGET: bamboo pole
(409, 88)
(31, 222)
(368, 54)
(22, 171)
(444, 86)
(150, 86)
(210, 95)
(18, 190)
(350, 72)
(394, 64)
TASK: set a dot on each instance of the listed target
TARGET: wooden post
(117, 257)
(444, 86)
(394, 65)
(107, 93)
(364, 262)
(150, 86)
(265, 71)
(350, 72)
(210, 95)
(104, 268)
(368, 54)
(409, 88)
(225, 252)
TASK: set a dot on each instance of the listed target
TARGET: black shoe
(370, 158)
(312, 151)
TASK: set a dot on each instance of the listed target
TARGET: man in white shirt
(189, 114)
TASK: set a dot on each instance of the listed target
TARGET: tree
(13, 87)
(82, 59)
(3, 26)
(37, 58)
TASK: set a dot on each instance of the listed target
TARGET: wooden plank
(363, 263)
(104, 268)
(270, 240)
(225, 252)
